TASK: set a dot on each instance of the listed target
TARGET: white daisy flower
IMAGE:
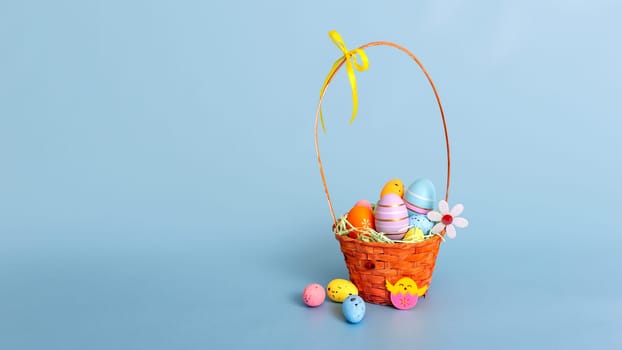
(447, 219)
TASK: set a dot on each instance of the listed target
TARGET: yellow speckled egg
(395, 186)
(339, 289)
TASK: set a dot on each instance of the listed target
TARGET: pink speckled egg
(314, 295)
(392, 216)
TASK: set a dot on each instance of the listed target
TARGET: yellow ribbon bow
(351, 64)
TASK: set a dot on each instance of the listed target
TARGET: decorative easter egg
(363, 203)
(314, 295)
(361, 218)
(339, 289)
(421, 222)
(395, 186)
(391, 216)
(353, 309)
(420, 196)
(414, 235)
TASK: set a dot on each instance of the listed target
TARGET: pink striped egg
(391, 216)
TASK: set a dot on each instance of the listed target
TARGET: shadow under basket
(371, 263)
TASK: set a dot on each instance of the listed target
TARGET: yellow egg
(414, 235)
(395, 186)
(339, 289)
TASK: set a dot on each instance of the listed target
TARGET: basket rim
(397, 245)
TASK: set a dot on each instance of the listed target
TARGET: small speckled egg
(420, 196)
(353, 309)
(421, 222)
(391, 216)
(314, 295)
(339, 289)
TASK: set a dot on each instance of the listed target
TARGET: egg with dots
(421, 222)
(361, 218)
(391, 216)
(395, 186)
(313, 295)
(353, 309)
(420, 196)
(339, 289)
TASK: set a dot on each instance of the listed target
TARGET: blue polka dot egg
(353, 309)
(421, 222)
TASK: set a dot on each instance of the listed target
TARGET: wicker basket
(371, 264)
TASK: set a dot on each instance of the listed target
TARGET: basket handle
(319, 106)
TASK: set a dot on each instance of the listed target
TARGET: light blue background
(159, 187)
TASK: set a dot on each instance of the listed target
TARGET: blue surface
(158, 184)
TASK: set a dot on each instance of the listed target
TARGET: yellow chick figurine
(404, 293)
(395, 186)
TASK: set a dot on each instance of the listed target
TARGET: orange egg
(395, 186)
(361, 218)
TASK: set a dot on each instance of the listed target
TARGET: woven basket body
(370, 264)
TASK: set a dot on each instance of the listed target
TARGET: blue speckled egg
(421, 222)
(353, 309)
(420, 197)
